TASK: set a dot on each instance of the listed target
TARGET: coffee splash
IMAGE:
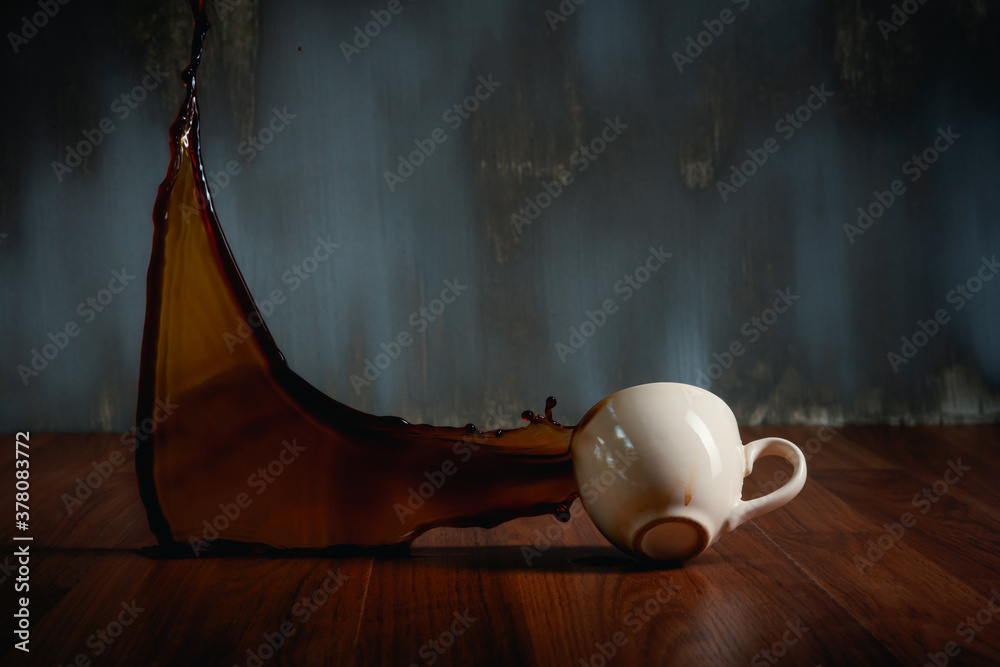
(254, 454)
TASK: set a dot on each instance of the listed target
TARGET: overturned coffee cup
(660, 469)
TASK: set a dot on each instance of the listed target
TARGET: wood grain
(540, 592)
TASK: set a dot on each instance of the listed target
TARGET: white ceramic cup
(660, 470)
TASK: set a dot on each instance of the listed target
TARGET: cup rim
(702, 538)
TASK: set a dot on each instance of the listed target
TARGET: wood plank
(725, 608)
(931, 577)
(561, 604)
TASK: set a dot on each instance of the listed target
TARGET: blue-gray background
(493, 352)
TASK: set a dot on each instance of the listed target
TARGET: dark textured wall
(682, 126)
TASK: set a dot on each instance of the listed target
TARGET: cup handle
(748, 509)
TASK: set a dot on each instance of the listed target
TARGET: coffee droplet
(562, 512)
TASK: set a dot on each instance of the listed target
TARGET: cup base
(671, 538)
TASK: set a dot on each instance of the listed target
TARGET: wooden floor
(788, 588)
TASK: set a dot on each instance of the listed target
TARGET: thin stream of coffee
(252, 453)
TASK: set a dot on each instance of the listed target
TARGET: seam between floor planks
(819, 584)
(361, 615)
